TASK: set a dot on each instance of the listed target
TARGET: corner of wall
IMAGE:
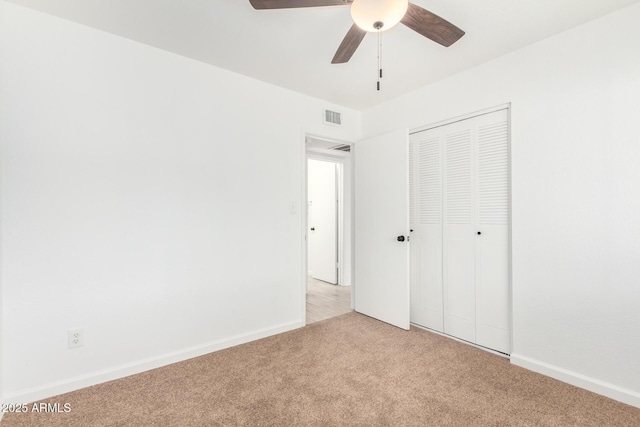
(594, 385)
(1, 211)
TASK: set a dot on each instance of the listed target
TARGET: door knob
(313, 229)
(479, 233)
(400, 238)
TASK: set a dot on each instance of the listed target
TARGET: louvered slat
(458, 177)
(430, 197)
(493, 174)
(412, 186)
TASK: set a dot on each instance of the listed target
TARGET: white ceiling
(293, 48)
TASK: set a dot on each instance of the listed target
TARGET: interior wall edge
(594, 385)
(2, 24)
(83, 381)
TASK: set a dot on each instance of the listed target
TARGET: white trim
(323, 153)
(352, 181)
(340, 242)
(445, 122)
(603, 388)
(510, 229)
(303, 224)
(488, 350)
(82, 381)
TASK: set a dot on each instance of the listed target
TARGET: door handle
(400, 238)
(313, 229)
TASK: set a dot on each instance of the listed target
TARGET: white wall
(575, 104)
(1, 269)
(146, 200)
(347, 223)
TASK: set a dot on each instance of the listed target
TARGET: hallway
(325, 300)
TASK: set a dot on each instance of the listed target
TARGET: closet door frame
(446, 122)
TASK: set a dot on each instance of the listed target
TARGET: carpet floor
(347, 371)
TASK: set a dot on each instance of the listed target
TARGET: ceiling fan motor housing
(378, 15)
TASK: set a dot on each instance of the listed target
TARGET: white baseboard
(76, 383)
(612, 391)
(451, 337)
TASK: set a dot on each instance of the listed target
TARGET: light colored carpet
(348, 370)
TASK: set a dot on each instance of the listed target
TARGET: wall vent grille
(342, 147)
(332, 118)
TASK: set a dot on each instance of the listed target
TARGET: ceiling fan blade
(288, 4)
(431, 26)
(349, 45)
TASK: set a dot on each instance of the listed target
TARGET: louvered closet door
(458, 233)
(426, 222)
(492, 245)
(459, 181)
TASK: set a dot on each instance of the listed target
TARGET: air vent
(342, 147)
(332, 118)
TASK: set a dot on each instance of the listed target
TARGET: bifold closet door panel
(426, 222)
(460, 254)
(492, 291)
(492, 244)
(458, 233)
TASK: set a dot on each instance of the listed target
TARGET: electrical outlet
(75, 338)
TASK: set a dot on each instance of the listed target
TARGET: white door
(458, 256)
(322, 221)
(425, 169)
(381, 218)
(492, 235)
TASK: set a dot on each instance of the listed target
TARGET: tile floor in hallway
(325, 300)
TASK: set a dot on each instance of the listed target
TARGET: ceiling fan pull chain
(379, 57)
(380, 52)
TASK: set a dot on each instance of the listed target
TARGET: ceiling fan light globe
(366, 13)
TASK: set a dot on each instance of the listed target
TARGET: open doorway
(328, 229)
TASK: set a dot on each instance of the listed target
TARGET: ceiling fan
(376, 16)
